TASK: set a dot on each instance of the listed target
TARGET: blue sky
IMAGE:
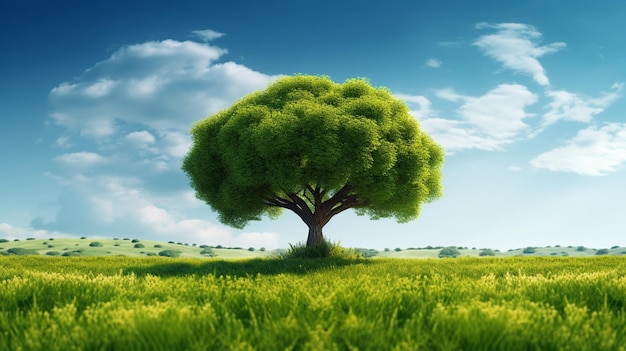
(96, 101)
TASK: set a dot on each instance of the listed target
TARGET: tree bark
(315, 234)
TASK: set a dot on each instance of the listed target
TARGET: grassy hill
(123, 247)
(137, 248)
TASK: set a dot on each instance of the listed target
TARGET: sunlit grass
(132, 303)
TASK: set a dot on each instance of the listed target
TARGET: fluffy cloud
(573, 107)
(487, 122)
(130, 116)
(593, 151)
(517, 47)
(434, 63)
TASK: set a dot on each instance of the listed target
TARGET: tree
(449, 251)
(316, 148)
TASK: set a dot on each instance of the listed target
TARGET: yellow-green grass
(156, 303)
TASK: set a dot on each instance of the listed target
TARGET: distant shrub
(116, 244)
(207, 252)
(95, 244)
(30, 238)
(158, 246)
(557, 245)
(16, 239)
(203, 246)
(219, 246)
(262, 249)
(602, 252)
(397, 249)
(139, 246)
(487, 252)
(170, 253)
(564, 253)
(135, 240)
(194, 244)
(20, 251)
(251, 249)
(126, 239)
(171, 242)
(449, 251)
(4, 240)
(553, 253)
(51, 239)
(186, 244)
(151, 254)
(45, 243)
(83, 237)
(72, 253)
(529, 250)
(387, 249)
(50, 246)
(581, 248)
(53, 253)
(179, 243)
(623, 253)
(116, 238)
(614, 247)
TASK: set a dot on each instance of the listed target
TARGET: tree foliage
(317, 148)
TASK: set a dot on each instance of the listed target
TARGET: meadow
(160, 303)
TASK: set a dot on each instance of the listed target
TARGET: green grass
(138, 303)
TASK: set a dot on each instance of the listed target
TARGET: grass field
(158, 303)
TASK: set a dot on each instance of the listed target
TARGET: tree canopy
(317, 148)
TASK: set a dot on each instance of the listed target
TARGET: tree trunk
(315, 234)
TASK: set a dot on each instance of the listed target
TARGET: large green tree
(316, 148)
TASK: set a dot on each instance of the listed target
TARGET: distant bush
(116, 244)
(83, 237)
(219, 246)
(158, 246)
(20, 251)
(139, 246)
(602, 252)
(151, 254)
(553, 253)
(449, 251)
(262, 249)
(30, 238)
(387, 249)
(45, 243)
(50, 246)
(397, 249)
(615, 247)
(126, 239)
(53, 253)
(72, 253)
(4, 240)
(135, 240)
(116, 238)
(171, 242)
(487, 252)
(581, 248)
(564, 253)
(194, 244)
(170, 253)
(557, 245)
(95, 244)
(251, 249)
(179, 243)
(529, 250)
(207, 252)
(51, 239)
(16, 239)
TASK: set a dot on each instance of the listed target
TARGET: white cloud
(11, 232)
(165, 85)
(140, 139)
(487, 122)
(207, 34)
(434, 63)
(81, 159)
(419, 106)
(573, 107)
(593, 151)
(516, 46)
(131, 115)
